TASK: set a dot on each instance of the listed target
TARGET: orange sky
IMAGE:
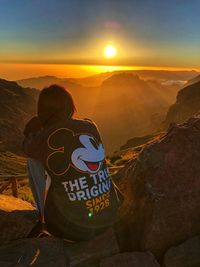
(21, 71)
(49, 37)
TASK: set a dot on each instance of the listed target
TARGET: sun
(110, 51)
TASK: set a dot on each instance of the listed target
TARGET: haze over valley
(124, 104)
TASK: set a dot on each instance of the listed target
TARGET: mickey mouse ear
(61, 142)
(60, 138)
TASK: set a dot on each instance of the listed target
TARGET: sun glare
(110, 51)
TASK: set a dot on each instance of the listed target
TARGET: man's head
(55, 101)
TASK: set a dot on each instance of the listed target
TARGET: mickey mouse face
(83, 152)
(90, 157)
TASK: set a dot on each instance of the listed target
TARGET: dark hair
(55, 100)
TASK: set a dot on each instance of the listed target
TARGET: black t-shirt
(82, 195)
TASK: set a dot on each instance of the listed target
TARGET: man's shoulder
(82, 123)
(84, 126)
(77, 126)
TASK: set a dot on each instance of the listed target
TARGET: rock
(138, 141)
(17, 218)
(55, 252)
(187, 104)
(40, 252)
(136, 259)
(184, 255)
(9, 203)
(164, 190)
(88, 253)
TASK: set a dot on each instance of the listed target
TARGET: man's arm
(32, 126)
(32, 143)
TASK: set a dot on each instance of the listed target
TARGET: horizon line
(132, 67)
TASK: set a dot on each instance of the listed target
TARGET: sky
(145, 32)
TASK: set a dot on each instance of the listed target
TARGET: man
(82, 200)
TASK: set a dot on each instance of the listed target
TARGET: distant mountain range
(122, 106)
(161, 76)
(43, 81)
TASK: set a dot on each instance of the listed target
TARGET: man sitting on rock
(79, 199)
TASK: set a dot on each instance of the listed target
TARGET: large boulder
(17, 218)
(163, 187)
(10, 203)
(186, 254)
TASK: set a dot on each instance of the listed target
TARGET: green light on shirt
(90, 214)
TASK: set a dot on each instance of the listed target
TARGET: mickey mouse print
(81, 151)
(84, 154)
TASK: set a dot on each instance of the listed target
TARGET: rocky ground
(162, 189)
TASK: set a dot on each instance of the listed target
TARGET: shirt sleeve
(33, 146)
(33, 126)
(96, 131)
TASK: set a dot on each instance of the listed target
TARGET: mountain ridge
(135, 107)
(97, 79)
(187, 104)
(122, 98)
(17, 105)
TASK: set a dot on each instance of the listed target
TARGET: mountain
(123, 106)
(127, 106)
(194, 80)
(134, 106)
(187, 104)
(44, 81)
(166, 75)
(167, 91)
(161, 76)
(17, 105)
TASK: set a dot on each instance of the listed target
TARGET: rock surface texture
(136, 259)
(17, 218)
(187, 104)
(39, 252)
(184, 255)
(165, 183)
